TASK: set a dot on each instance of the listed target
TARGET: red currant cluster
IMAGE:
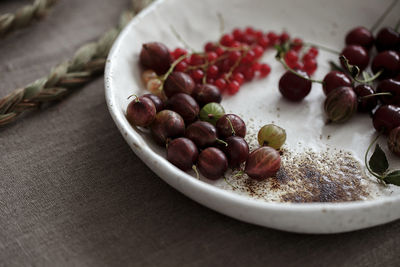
(232, 61)
(307, 62)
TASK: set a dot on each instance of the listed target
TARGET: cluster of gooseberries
(183, 111)
(346, 93)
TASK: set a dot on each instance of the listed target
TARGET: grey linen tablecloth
(72, 193)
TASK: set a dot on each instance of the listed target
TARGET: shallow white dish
(324, 22)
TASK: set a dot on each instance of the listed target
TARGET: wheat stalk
(87, 63)
(24, 16)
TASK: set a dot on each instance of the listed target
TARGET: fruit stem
(238, 174)
(222, 142)
(196, 171)
(376, 94)
(179, 37)
(173, 65)
(280, 59)
(327, 49)
(234, 66)
(370, 79)
(226, 180)
(384, 14)
(221, 23)
(366, 159)
(136, 97)
(230, 123)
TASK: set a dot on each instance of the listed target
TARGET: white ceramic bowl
(324, 22)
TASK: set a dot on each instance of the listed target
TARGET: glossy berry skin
(212, 163)
(184, 105)
(167, 125)
(387, 39)
(356, 55)
(360, 36)
(386, 118)
(262, 163)
(202, 133)
(293, 87)
(158, 103)
(394, 141)
(335, 79)
(271, 135)
(225, 124)
(183, 153)
(340, 104)
(391, 86)
(155, 56)
(141, 112)
(178, 82)
(389, 62)
(206, 93)
(237, 151)
(365, 104)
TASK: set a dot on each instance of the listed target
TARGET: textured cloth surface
(72, 193)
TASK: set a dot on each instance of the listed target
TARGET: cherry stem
(327, 49)
(230, 123)
(280, 59)
(196, 171)
(370, 79)
(222, 141)
(376, 94)
(384, 14)
(366, 159)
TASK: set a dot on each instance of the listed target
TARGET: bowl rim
(159, 164)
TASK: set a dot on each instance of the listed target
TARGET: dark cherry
(183, 153)
(365, 104)
(387, 39)
(167, 125)
(360, 36)
(389, 62)
(225, 123)
(293, 87)
(212, 163)
(356, 55)
(262, 163)
(141, 112)
(335, 79)
(202, 133)
(178, 82)
(158, 103)
(386, 118)
(236, 151)
(206, 93)
(391, 86)
(155, 56)
(184, 105)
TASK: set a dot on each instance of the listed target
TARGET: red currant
(233, 87)
(197, 74)
(181, 66)
(212, 71)
(273, 38)
(310, 66)
(227, 39)
(221, 84)
(208, 47)
(297, 44)
(258, 51)
(212, 56)
(264, 42)
(239, 77)
(284, 37)
(265, 69)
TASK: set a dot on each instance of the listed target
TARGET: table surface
(72, 193)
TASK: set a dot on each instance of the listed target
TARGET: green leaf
(378, 161)
(352, 69)
(393, 177)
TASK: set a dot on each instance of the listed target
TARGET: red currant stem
(230, 49)
(234, 66)
(327, 49)
(179, 37)
(196, 171)
(280, 59)
(205, 65)
(226, 181)
(136, 98)
(376, 94)
(366, 159)
(238, 174)
(370, 79)
(222, 141)
(230, 123)
(173, 65)
(221, 22)
(384, 14)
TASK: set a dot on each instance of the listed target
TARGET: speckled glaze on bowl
(324, 22)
